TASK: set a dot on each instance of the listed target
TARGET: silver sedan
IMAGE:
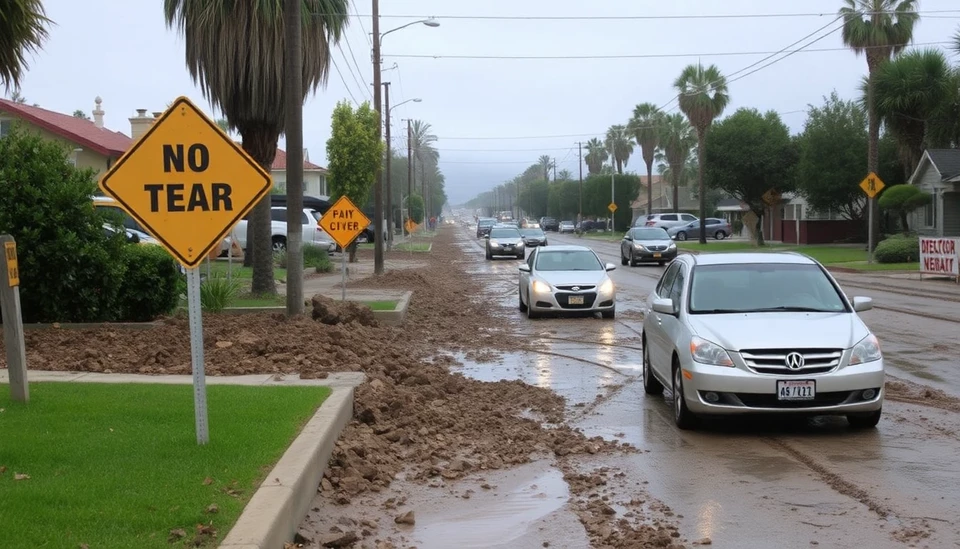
(566, 279)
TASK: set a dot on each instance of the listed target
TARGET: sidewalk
(335, 379)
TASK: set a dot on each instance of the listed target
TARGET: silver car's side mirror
(861, 304)
(486, 236)
(663, 305)
(610, 267)
(524, 268)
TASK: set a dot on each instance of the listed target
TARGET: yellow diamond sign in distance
(872, 185)
(411, 225)
(344, 222)
(186, 182)
(612, 207)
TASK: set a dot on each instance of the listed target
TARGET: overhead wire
(635, 17)
(342, 79)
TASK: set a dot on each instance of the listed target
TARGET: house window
(279, 186)
(5, 127)
(930, 213)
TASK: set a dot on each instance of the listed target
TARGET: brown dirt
(902, 390)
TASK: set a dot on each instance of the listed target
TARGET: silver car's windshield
(765, 287)
(531, 232)
(486, 222)
(504, 233)
(568, 260)
(652, 233)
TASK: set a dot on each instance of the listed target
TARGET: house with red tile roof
(91, 145)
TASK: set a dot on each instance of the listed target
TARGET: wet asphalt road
(741, 483)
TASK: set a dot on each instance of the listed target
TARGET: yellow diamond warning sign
(186, 182)
(411, 225)
(872, 185)
(344, 222)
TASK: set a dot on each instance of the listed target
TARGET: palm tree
(702, 96)
(620, 145)
(596, 155)
(677, 139)
(908, 93)
(23, 29)
(545, 163)
(879, 29)
(234, 51)
(564, 175)
(645, 127)
(425, 154)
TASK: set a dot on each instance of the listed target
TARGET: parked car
(484, 224)
(112, 208)
(588, 225)
(505, 241)
(716, 228)
(665, 220)
(309, 218)
(771, 333)
(549, 224)
(566, 279)
(534, 237)
(566, 227)
(642, 244)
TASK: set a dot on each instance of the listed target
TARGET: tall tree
(620, 145)
(645, 126)
(596, 155)
(749, 154)
(676, 138)
(831, 147)
(878, 29)
(564, 175)
(81, 115)
(702, 96)
(23, 29)
(234, 51)
(354, 153)
(545, 163)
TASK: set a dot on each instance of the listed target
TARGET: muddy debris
(329, 311)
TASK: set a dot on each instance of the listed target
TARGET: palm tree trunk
(650, 187)
(701, 141)
(263, 149)
(675, 175)
(873, 142)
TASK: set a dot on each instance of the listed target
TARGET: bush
(898, 249)
(70, 270)
(217, 292)
(317, 257)
(280, 258)
(151, 283)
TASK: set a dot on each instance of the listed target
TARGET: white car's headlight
(606, 287)
(708, 352)
(868, 350)
(494, 243)
(519, 243)
(541, 287)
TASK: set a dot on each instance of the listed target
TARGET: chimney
(140, 124)
(98, 112)
(157, 114)
(306, 155)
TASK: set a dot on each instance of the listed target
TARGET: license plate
(575, 300)
(796, 390)
(508, 248)
(657, 254)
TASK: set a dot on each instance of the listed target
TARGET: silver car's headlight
(639, 246)
(606, 287)
(708, 352)
(519, 243)
(541, 287)
(494, 243)
(672, 246)
(868, 350)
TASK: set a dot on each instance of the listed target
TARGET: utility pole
(518, 199)
(378, 189)
(386, 127)
(554, 169)
(409, 166)
(293, 99)
(580, 150)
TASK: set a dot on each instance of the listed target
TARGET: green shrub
(898, 249)
(151, 283)
(280, 258)
(70, 270)
(217, 292)
(317, 257)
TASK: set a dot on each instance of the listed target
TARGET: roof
(735, 258)
(77, 130)
(280, 162)
(946, 161)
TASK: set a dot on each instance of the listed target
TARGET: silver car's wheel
(720, 235)
(682, 416)
(651, 385)
(681, 235)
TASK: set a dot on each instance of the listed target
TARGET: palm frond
(702, 94)
(23, 30)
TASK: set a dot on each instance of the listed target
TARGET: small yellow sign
(612, 207)
(186, 182)
(13, 269)
(872, 185)
(344, 222)
(411, 225)
(772, 197)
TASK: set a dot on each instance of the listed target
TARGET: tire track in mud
(902, 390)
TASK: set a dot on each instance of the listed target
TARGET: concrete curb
(277, 508)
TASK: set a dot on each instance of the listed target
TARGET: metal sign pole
(196, 355)
(343, 273)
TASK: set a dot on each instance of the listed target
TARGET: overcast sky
(122, 51)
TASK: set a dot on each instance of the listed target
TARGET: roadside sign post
(344, 222)
(188, 184)
(13, 322)
(871, 186)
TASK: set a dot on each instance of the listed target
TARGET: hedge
(898, 249)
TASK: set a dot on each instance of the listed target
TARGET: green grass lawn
(864, 266)
(609, 236)
(238, 271)
(118, 465)
(413, 247)
(381, 305)
(256, 301)
(826, 254)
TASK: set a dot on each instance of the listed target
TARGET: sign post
(13, 322)
(344, 222)
(188, 184)
(871, 186)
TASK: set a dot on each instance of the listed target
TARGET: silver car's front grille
(656, 248)
(576, 288)
(792, 361)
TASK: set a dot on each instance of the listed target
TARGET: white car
(665, 220)
(770, 333)
(566, 279)
(312, 233)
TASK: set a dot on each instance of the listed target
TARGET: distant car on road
(484, 224)
(566, 227)
(566, 279)
(760, 333)
(505, 241)
(716, 228)
(549, 224)
(534, 237)
(665, 220)
(647, 244)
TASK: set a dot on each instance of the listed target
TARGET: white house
(938, 174)
(314, 177)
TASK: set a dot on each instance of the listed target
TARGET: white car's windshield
(652, 233)
(504, 233)
(764, 287)
(568, 260)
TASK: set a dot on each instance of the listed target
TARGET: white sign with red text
(940, 256)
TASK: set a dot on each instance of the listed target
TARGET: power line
(350, 70)
(360, 20)
(334, 61)
(634, 17)
(359, 71)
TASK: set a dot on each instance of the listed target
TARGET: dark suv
(484, 224)
(549, 224)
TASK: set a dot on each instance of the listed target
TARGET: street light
(377, 61)
(390, 220)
